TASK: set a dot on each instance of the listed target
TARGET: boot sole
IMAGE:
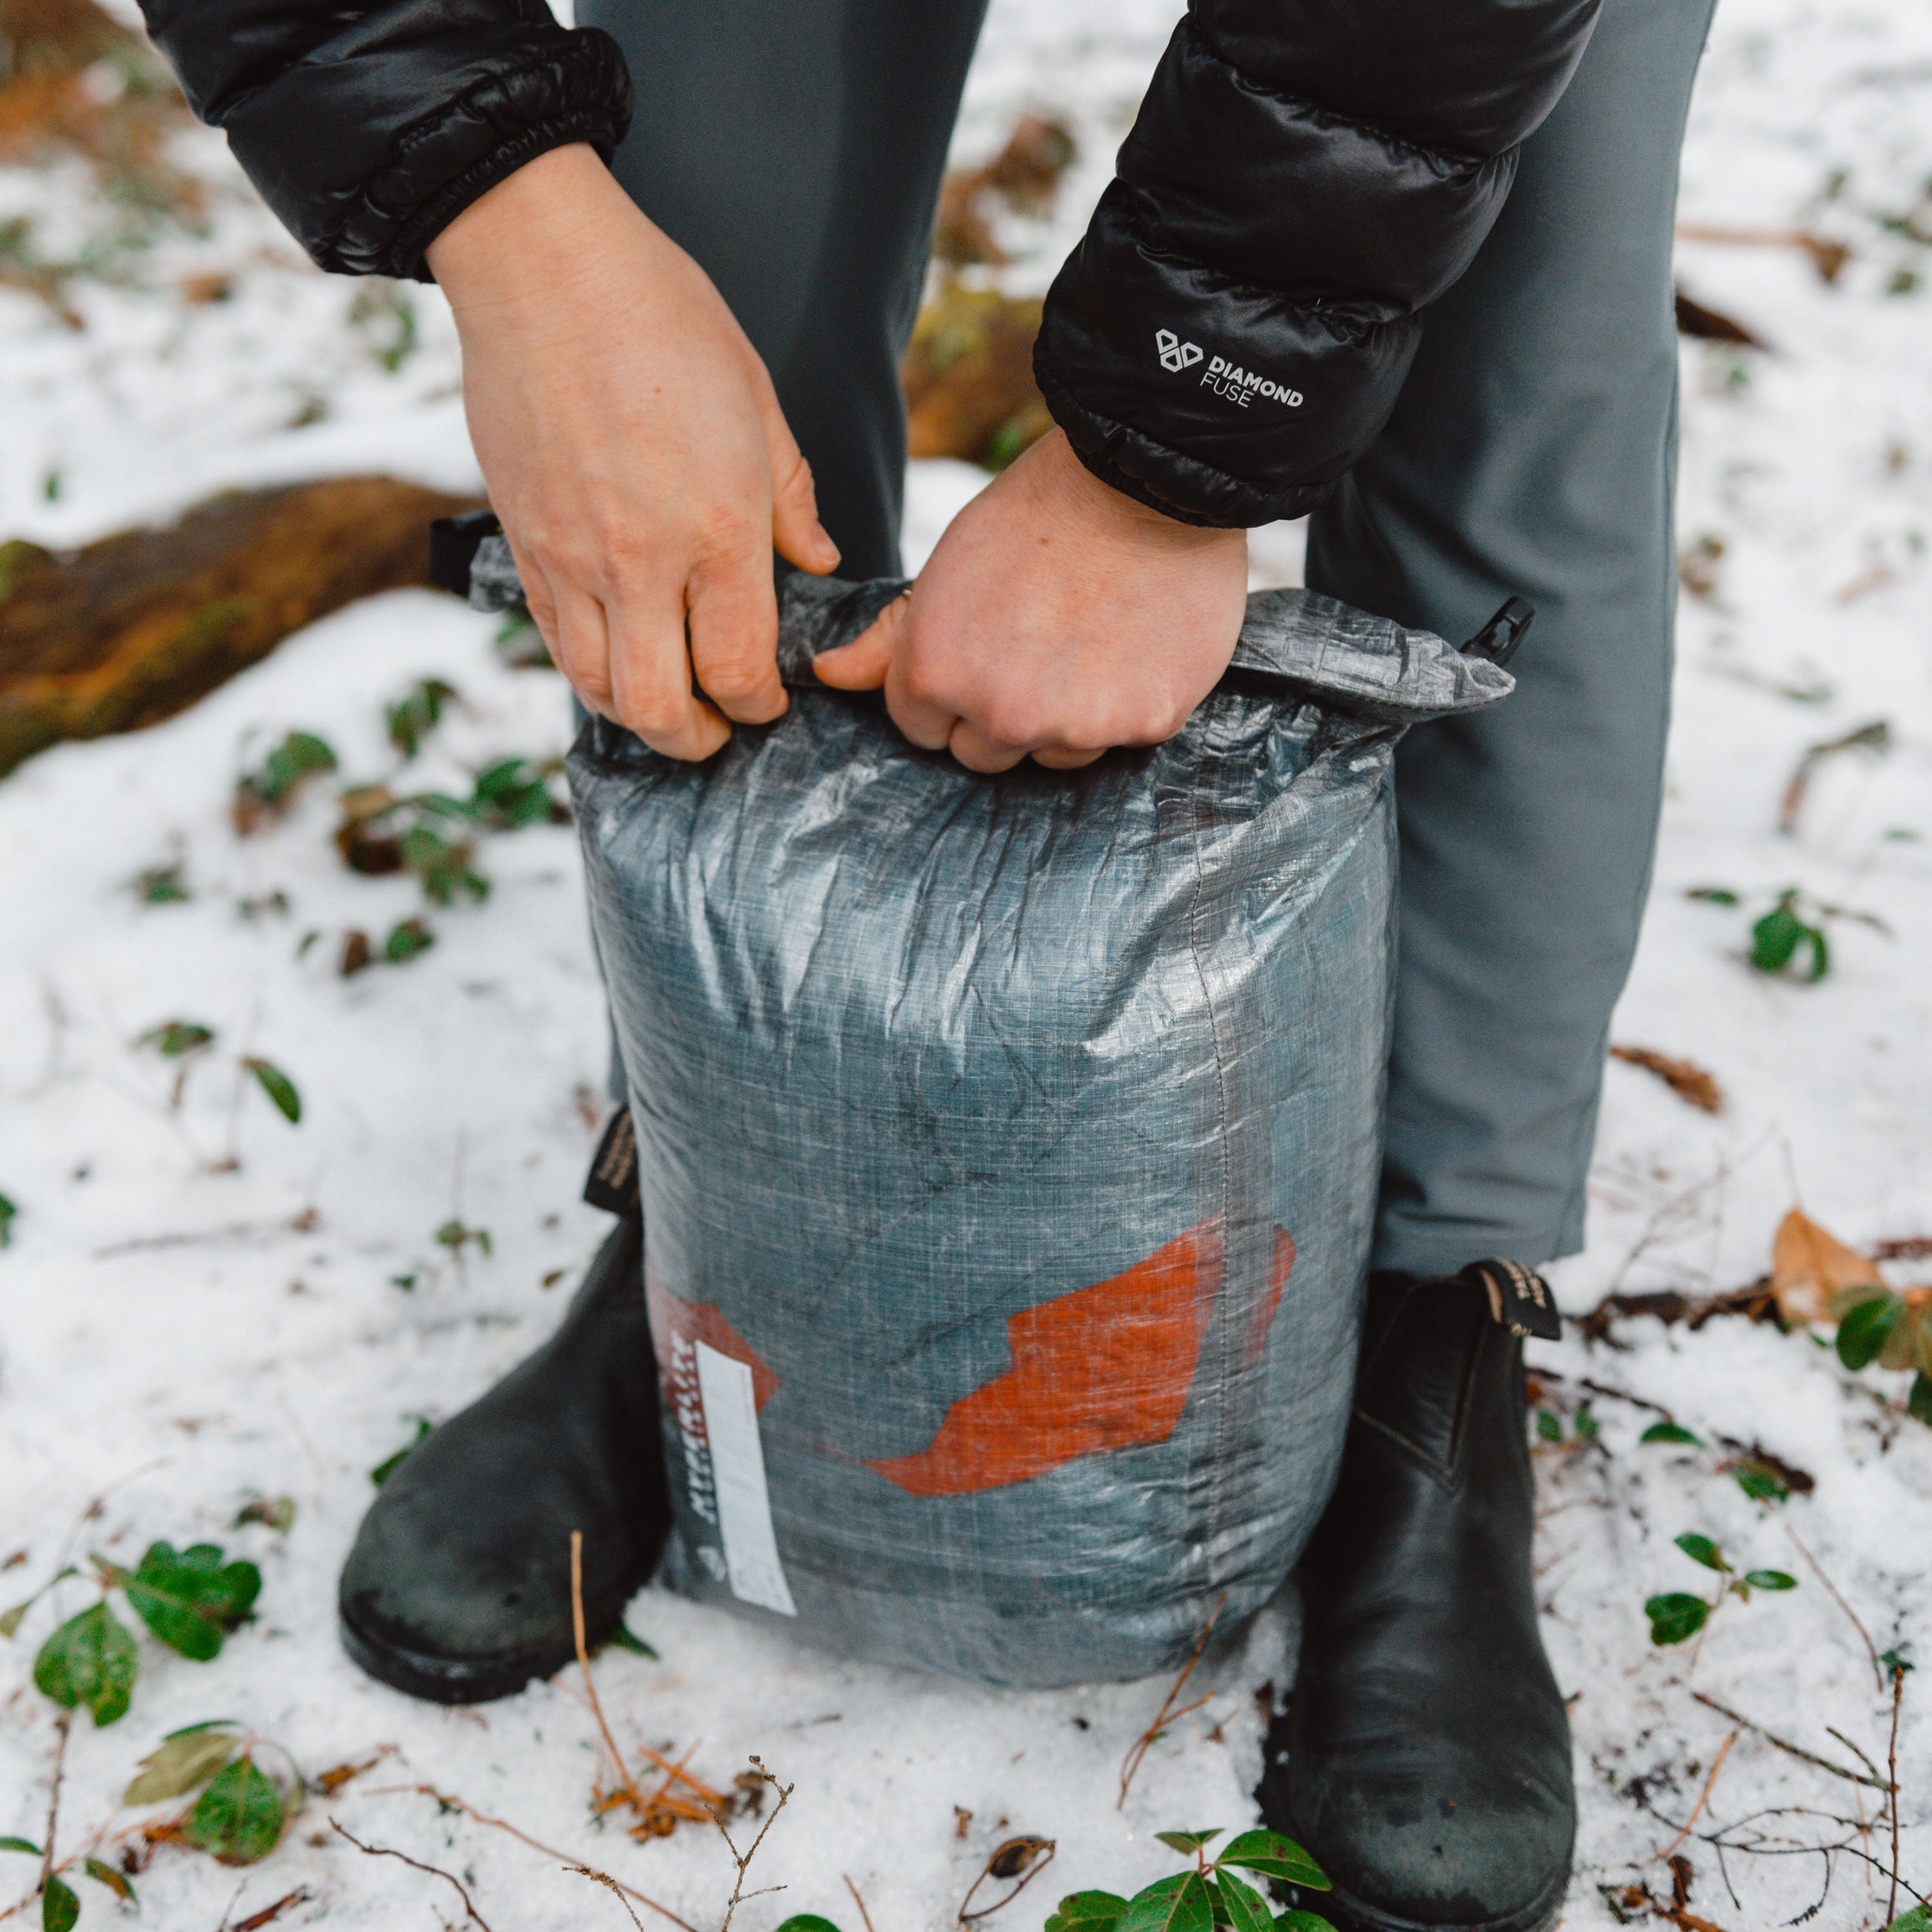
(1350, 1914)
(443, 1680)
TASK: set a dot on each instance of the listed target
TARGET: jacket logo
(1175, 354)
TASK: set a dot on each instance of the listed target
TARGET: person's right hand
(634, 448)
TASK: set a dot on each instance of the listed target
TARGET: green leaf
(239, 1816)
(1548, 1426)
(277, 1512)
(1865, 1329)
(90, 1661)
(1180, 1903)
(413, 717)
(177, 1038)
(161, 885)
(7, 1211)
(1302, 1922)
(59, 1906)
(807, 1922)
(115, 1882)
(1189, 1841)
(191, 1600)
(1770, 1579)
(388, 1466)
(20, 1845)
(1670, 1431)
(1674, 1617)
(1918, 1919)
(1761, 1483)
(1273, 1856)
(406, 940)
(1776, 938)
(179, 1763)
(1245, 1909)
(11, 1618)
(279, 1087)
(624, 1638)
(1702, 1550)
(1721, 896)
(1588, 1429)
(1083, 1912)
(1918, 1404)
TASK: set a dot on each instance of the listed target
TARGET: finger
(797, 534)
(862, 664)
(979, 752)
(926, 721)
(580, 641)
(650, 678)
(734, 637)
(1063, 757)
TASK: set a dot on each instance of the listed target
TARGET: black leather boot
(458, 1586)
(1424, 1757)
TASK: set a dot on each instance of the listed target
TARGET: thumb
(862, 664)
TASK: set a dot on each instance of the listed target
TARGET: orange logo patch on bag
(1104, 1367)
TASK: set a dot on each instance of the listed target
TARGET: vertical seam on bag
(1217, 1487)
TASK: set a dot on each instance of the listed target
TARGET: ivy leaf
(1273, 1856)
(1702, 1550)
(20, 1845)
(1674, 1617)
(1244, 1908)
(1770, 1579)
(180, 1762)
(1919, 1403)
(1670, 1431)
(1188, 1841)
(191, 1600)
(239, 1817)
(59, 1907)
(1180, 1903)
(1083, 1912)
(90, 1661)
(279, 1087)
(1865, 1327)
(115, 1882)
(177, 1038)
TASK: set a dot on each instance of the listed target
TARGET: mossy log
(968, 377)
(135, 627)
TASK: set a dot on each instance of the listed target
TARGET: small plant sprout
(1893, 1327)
(1678, 1615)
(267, 792)
(1208, 1894)
(417, 713)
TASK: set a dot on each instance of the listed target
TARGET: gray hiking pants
(795, 148)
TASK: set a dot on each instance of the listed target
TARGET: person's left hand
(1057, 618)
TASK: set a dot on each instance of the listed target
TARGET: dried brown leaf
(1684, 1078)
(1809, 1265)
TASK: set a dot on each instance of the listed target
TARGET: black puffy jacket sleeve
(369, 128)
(1304, 177)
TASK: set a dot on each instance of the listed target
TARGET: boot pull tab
(1520, 1298)
(613, 1182)
(1498, 640)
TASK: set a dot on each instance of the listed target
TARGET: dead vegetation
(136, 628)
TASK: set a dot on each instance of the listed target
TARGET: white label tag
(738, 1472)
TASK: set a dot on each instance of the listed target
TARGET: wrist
(532, 232)
(1095, 504)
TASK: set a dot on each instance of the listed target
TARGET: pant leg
(1532, 451)
(795, 148)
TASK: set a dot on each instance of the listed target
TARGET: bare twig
(1703, 1797)
(1831, 1589)
(269, 1914)
(1167, 1714)
(1892, 1765)
(605, 1879)
(434, 1871)
(1794, 1750)
(742, 1860)
(62, 1725)
(1017, 1858)
(857, 1900)
(583, 1664)
(1852, 1747)
(469, 1810)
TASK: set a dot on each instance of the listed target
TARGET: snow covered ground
(204, 1305)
